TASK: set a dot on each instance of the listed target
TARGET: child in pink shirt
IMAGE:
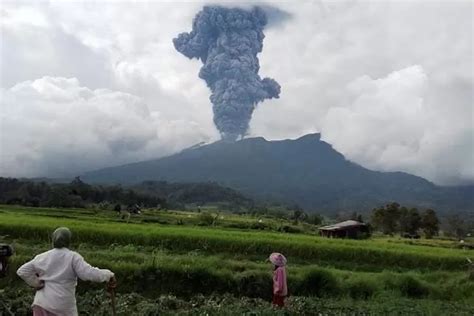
(280, 289)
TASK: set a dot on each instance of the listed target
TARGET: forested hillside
(305, 171)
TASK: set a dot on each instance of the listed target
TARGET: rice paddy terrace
(166, 262)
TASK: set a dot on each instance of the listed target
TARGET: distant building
(346, 229)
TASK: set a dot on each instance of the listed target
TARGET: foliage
(319, 282)
(172, 270)
(74, 194)
(160, 195)
(96, 302)
(218, 240)
(411, 287)
(206, 218)
(314, 219)
(456, 226)
(409, 221)
(430, 223)
(177, 194)
(386, 218)
(362, 288)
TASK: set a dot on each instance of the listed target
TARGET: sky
(87, 85)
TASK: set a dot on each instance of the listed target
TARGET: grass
(166, 217)
(96, 302)
(141, 271)
(216, 240)
(154, 260)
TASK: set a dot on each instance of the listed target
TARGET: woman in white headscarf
(54, 275)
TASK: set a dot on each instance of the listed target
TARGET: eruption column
(227, 40)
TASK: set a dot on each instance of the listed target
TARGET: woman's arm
(28, 273)
(86, 272)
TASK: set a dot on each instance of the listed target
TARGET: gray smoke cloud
(227, 41)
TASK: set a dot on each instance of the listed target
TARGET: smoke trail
(227, 40)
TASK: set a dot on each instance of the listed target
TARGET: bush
(258, 225)
(361, 289)
(318, 282)
(411, 287)
(255, 284)
(242, 225)
(206, 219)
(154, 220)
(290, 229)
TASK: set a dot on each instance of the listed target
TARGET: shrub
(318, 282)
(154, 220)
(290, 229)
(255, 284)
(206, 219)
(237, 225)
(258, 225)
(411, 287)
(361, 289)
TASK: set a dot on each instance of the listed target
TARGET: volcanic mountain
(305, 171)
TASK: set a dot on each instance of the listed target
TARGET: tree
(78, 187)
(24, 194)
(314, 219)
(456, 226)
(356, 217)
(117, 208)
(386, 218)
(298, 215)
(377, 218)
(206, 219)
(430, 223)
(409, 221)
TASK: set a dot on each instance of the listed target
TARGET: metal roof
(342, 225)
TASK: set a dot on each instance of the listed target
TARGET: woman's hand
(112, 284)
(40, 285)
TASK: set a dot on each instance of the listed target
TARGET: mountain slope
(306, 171)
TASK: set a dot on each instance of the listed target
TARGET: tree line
(75, 194)
(148, 194)
(393, 218)
(389, 219)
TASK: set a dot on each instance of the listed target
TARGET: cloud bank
(58, 127)
(399, 130)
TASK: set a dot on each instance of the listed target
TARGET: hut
(347, 229)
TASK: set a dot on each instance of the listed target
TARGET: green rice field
(166, 268)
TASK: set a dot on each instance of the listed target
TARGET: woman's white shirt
(59, 269)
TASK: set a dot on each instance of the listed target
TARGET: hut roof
(343, 225)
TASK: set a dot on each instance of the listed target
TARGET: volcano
(306, 171)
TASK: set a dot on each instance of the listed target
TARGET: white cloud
(365, 64)
(17, 17)
(389, 126)
(326, 57)
(56, 126)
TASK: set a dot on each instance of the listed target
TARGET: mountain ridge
(305, 171)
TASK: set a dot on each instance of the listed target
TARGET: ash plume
(227, 41)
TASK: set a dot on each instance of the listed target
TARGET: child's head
(277, 259)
